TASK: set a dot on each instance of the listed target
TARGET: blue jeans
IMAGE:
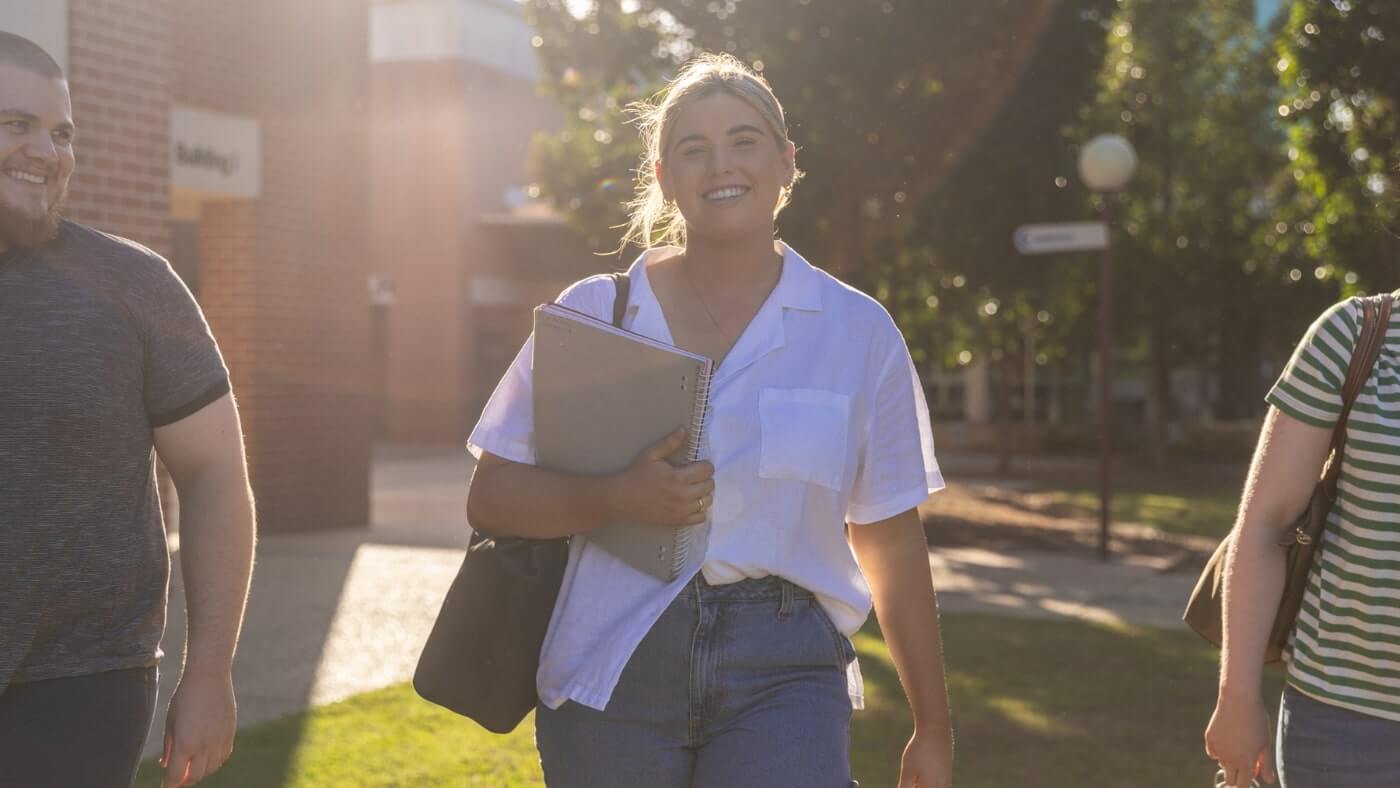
(736, 685)
(1326, 746)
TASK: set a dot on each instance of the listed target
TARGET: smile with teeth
(21, 175)
(726, 193)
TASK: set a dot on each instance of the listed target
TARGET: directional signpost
(1083, 237)
(1060, 237)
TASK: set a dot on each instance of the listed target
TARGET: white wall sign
(215, 154)
(45, 22)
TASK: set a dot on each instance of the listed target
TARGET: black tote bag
(484, 649)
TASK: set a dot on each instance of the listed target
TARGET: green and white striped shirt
(1346, 647)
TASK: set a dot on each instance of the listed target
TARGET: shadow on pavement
(335, 613)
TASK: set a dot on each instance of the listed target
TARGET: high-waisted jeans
(1326, 746)
(736, 685)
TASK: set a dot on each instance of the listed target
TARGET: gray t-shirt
(100, 343)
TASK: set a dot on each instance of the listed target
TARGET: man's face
(36, 155)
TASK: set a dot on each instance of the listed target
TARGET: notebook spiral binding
(692, 454)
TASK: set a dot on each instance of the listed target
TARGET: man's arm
(204, 453)
(893, 556)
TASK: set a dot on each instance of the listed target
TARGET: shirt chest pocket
(803, 435)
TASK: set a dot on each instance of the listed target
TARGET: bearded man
(105, 360)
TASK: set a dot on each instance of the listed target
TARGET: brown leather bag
(1204, 608)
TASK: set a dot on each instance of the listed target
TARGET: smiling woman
(656, 218)
(817, 452)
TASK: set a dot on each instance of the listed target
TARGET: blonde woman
(741, 672)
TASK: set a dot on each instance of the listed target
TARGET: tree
(883, 98)
(1186, 81)
(1339, 65)
(975, 299)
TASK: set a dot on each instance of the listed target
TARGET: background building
(233, 138)
(461, 250)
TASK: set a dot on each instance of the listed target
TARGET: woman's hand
(927, 762)
(1239, 739)
(655, 492)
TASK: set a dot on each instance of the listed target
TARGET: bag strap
(623, 286)
(1375, 320)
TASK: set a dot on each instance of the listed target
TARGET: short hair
(21, 52)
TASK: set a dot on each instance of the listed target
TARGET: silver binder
(602, 396)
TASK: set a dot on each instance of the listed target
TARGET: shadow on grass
(1043, 703)
(332, 613)
(1053, 704)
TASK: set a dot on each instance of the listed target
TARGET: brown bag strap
(1375, 320)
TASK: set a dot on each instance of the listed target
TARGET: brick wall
(419, 210)
(449, 136)
(289, 296)
(120, 71)
(228, 262)
(282, 278)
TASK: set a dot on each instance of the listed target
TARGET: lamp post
(1106, 164)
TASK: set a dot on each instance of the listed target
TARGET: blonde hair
(652, 220)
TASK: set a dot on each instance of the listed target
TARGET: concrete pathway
(336, 613)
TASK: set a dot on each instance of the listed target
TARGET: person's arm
(514, 499)
(893, 555)
(204, 453)
(1286, 467)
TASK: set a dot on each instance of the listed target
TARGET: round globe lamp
(1107, 162)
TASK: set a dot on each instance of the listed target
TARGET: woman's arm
(512, 499)
(1286, 467)
(893, 555)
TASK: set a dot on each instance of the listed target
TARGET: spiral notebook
(602, 396)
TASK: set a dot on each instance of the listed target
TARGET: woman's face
(724, 169)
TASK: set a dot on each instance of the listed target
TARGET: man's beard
(28, 231)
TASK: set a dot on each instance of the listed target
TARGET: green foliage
(1339, 67)
(1189, 84)
(958, 284)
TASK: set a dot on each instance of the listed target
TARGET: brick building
(233, 138)
(455, 107)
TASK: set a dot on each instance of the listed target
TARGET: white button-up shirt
(816, 418)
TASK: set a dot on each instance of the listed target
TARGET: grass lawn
(1050, 704)
(1202, 513)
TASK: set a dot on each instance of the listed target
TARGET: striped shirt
(1346, 646)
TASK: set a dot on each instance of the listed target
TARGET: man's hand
(199, 728)
(927, 762)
